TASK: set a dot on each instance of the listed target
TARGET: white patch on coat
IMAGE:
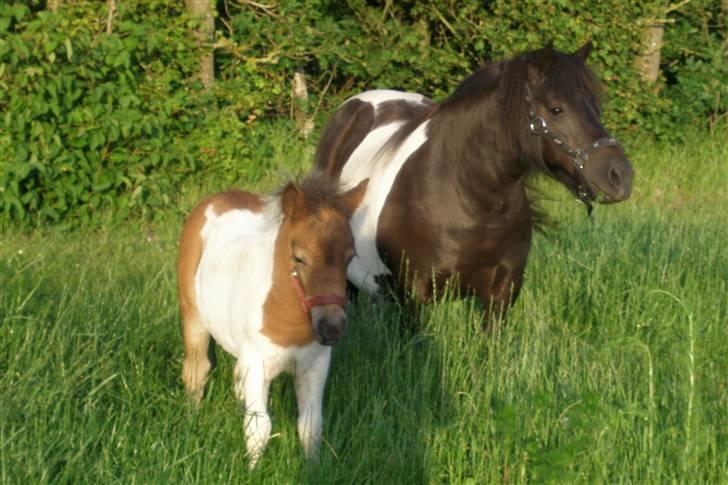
(234, 275)
(232, 283)
(378, 96)
(369, 159)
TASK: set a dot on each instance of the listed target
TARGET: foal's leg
(251, 386)
(196, 365)
(310, 381)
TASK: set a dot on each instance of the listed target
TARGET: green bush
(695, 66)
(93, 123)
(430, 45)
(91, 120)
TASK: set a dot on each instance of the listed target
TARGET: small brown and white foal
(266, 278)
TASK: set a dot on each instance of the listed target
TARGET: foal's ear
(351, 199)
(584, 51)
(292, 200)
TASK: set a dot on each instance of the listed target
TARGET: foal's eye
(556, 110)
(298, 260)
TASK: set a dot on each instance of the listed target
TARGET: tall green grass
(612, 367)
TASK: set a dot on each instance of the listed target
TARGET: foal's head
(318, 247)
(560, 96)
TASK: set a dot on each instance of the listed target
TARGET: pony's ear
(292, 200)
(351, 199)
(584, 51)
(539, 61)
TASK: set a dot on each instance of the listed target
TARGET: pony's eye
(556, 110)
(298, 260)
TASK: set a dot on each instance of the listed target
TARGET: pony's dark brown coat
(458, 206)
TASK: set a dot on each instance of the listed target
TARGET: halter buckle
(538, 126)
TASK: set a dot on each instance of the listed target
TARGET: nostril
(615, 177)
(330, 332)
(334, 332)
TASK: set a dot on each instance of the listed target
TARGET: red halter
(308, 303)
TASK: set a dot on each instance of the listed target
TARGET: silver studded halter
(537, 125)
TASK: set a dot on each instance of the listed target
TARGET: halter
(309, 303)
(537, 126)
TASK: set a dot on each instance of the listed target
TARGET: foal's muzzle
(329, 323)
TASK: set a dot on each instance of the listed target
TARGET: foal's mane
(319, 190)
(559, 75)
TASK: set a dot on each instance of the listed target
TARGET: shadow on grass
(384, 401)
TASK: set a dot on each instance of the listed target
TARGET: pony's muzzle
(329, 323)
(619, 182)
(608, 173)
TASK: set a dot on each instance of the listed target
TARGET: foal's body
(235, 285)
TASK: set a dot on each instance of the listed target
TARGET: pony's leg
(251, 386)
(196, 365)
(498, 287)
(310, 381)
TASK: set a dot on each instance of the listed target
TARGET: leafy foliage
(94, 121)
(695, 64)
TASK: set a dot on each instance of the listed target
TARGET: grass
(611, 368)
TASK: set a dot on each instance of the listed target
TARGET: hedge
(92, 121)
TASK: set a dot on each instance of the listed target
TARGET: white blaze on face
(382, 167)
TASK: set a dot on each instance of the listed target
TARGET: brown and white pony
(447, 191)
(266, 278)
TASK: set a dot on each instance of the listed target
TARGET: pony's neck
(466, 144)
(466, 141)
(483, 126)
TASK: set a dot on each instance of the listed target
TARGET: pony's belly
(381, 165)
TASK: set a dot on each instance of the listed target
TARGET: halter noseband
(309, 303)
(537, 126)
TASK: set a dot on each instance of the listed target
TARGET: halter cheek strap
(309, 303)
(537, 126)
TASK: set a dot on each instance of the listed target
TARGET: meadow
(611, 368)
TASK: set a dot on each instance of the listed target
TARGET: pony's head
(556, 99)
(318, 247)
